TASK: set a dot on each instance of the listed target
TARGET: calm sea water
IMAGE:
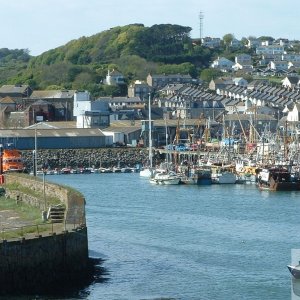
(187, 242)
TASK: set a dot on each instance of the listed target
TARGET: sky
(41, 25)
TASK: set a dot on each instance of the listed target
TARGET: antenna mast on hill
(201, 17)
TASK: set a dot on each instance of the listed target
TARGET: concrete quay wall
(52, 261)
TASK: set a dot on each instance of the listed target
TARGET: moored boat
(12, 161)
(278, 179)
(295, 270)
(223, 176)
(165, 178)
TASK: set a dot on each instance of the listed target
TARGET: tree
(227, 39)
(209, 74)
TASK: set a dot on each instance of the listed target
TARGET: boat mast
(150, 132)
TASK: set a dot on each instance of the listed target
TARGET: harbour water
(187, 242)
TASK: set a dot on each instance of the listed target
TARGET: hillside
(134, 50)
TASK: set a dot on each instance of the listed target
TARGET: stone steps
(56, 214)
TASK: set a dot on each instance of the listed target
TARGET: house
(235, 43)
(16, 92)
(61, 100)
(114, 77)
(8, 102)
(240, 81)
(294, 114)
(290, 82)
(222, 64)
(219, 83)
(271, 49)
(211, 42)
(243, 59)
(257, 83)
(245, 68)
(88, 113)
(8, 106)
(267, 58)
(139, 89)
(279, 65)
(294, 65)
(292, 57)
(161, 80)
(252, 43)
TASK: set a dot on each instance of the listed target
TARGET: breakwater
(49, 261)
(101, 157)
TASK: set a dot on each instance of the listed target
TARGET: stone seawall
(45, 264)
(50, 261)
(102, 157)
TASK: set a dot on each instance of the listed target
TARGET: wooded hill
(134, 50)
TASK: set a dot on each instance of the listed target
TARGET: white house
(223, 64)
(89, 113)
(240, 81)
(279, 65)
(246, 68)
(294, 114)
(114, 78)
(290, 81)
(252, 43)
(271, 49)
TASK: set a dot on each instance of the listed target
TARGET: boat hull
(280, 186)
(172, 181)
(295, 271)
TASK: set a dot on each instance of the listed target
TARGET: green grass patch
(26, 211)
(15, 186)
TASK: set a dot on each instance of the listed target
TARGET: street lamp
(1, 165)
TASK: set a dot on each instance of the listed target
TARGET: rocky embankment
(84, 158)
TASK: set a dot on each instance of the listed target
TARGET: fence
(38, 230)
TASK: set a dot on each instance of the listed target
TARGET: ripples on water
(187, 242)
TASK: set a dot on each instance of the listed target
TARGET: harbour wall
(50, 261)
(73, 201)
(100, 157)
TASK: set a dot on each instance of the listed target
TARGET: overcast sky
(41, 25)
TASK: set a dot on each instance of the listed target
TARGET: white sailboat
(148, 171)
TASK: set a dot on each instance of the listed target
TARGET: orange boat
(12, 161)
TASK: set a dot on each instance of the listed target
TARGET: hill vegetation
(134, 50)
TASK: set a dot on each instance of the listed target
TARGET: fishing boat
(223, 176)
(12, 161)
(197, 176)
(295, 270)
(278, 179)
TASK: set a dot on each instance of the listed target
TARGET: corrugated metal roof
(53, 94)
(9, 88)
(83, 132)
(7, 100)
